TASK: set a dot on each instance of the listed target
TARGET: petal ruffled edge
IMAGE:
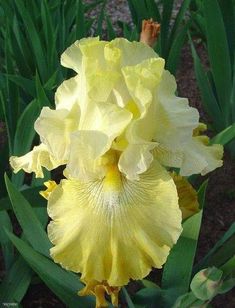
(34, 161)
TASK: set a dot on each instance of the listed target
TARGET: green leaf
(25, 132)
(127, 298)
(176, 47)
(224, 137)
(223, 250)
(151, 298)
(50, 35)
(90, 6)
(99, 31)
(21, 49)
(30, 194)
(29, 222)
(110, 29)
(11, 100)
(229, 268)
(228, 13)
(64, 284)
(153, 10)
(34, 38)
(26, 84)
(138, 11)
(41, 95)
(218, 54)
(80, 20)
(7, 248)
(227, 286)
(149, 284)
(201, 194)
(17, 279)
(24, 136)
(15, 284)
(179, 19)
(208, 98)
(165, 24)
(178, 268)
(188, 300)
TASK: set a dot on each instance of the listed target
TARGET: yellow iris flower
(116, 127)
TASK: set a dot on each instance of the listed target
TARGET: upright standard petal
(90, 145)
(127, 218)
(133, 53)
(68, 93)
(72, 56)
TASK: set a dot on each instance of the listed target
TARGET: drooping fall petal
(127, 218)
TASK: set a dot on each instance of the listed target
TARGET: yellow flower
(188, 201)
(116, 126)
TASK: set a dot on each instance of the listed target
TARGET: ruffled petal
(34, 161)
(100, 83)
(200, 157)
(168, 157)
(136, 159)
(99, 226)
(67, 93)
(141, 80)
(55, 127)
(107, 118)
(133, 53)
(90, 145)
(72, 56)
(175, 120)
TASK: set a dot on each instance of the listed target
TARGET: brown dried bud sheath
(150, 32)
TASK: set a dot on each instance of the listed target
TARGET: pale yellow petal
(199, 157)
(136, 159)
(72, 56)
(68, 93)
(87, 147)
(99, 226)
(175, 120)
(55, 127)
(133, 53)
(107, 118)
(101, 83)
(142, 79)
(34, 161)
(168, 157)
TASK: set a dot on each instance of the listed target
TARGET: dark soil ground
(219, 213)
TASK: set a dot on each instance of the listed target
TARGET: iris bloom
(116, 128)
